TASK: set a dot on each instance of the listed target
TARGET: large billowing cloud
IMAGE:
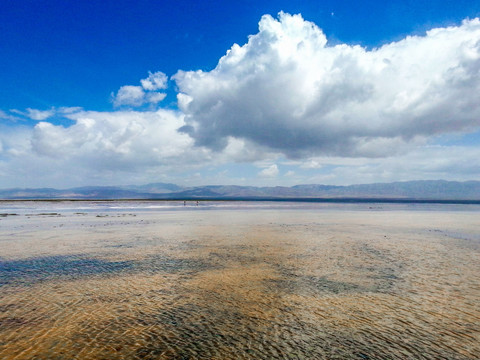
(123, 147)
(288, 90)
(286, 105)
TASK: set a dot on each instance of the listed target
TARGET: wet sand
(248, 283)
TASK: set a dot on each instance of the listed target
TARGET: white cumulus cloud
(289, 91)
(133, 95)
(155, 81)
(129, 95)
(271, 171)
(115, 139)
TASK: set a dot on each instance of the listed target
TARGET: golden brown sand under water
(241, 284)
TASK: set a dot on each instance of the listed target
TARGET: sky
(271, 93)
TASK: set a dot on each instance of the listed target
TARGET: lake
(238, 280)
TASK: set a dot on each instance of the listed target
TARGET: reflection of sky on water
(33, 270)
(69, 267)
(35, 207)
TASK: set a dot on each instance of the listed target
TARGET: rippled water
(312, 282)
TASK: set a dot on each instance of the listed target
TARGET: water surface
(250, 281)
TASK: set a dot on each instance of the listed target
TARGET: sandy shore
(249, 283)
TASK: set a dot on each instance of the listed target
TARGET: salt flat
(159, 280)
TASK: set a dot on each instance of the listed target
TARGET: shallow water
(239, 282)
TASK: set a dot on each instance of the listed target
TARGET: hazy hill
(429, 189)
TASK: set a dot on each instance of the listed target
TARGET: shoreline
(346, 200)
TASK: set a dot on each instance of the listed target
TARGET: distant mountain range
(419, 190)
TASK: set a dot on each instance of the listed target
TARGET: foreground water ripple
(240, 285)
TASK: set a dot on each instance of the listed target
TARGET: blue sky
(75, 53)
(75, 112)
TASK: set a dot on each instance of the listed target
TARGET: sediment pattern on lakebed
(240, 284)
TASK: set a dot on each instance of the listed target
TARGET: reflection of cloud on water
(70, 267)
(33, 270)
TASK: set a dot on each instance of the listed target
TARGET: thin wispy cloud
(35, 114)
